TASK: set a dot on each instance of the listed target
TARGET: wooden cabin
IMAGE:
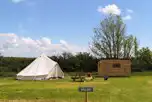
(114, 67)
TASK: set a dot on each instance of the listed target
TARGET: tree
(66, 55)
(135, 59)
(86, 62)
(135, 47)
(110, 40)
(1, 59)
(67, 61)
(145, 56)
(128, 46)
(1, 55)
(55, 58)
(144, 59)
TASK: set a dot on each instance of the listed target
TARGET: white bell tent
(42, 68)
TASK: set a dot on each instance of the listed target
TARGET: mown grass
(137, 88)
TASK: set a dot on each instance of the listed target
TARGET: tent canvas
(42, 68)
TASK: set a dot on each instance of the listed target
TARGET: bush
(7, 74)
(4, 69)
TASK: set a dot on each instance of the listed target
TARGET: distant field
(137, 88)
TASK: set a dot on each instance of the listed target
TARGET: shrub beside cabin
(114, 67)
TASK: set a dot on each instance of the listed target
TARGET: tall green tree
(1, 59)
(110, 40)
(143, 61)
(66, 55)
(86, 62)
(128, 46)
(136, 46)
(145, 56)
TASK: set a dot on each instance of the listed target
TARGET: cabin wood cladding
(114, 67)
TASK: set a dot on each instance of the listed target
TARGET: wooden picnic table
(78, 76)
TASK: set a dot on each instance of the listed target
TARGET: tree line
(81, 62)
(68, 62)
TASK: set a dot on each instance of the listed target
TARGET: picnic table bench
(78, 76)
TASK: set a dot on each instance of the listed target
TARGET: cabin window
(116, 65)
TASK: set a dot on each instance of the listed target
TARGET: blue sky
(71, 20)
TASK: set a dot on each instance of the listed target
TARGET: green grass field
(137, 88)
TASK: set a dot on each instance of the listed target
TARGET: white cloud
(13, 45)
(17, 1)
(128, 17)
(8, 34)
(130, 11)
(46, 41)
(114, 9)
(29, 3)
(110, 9)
